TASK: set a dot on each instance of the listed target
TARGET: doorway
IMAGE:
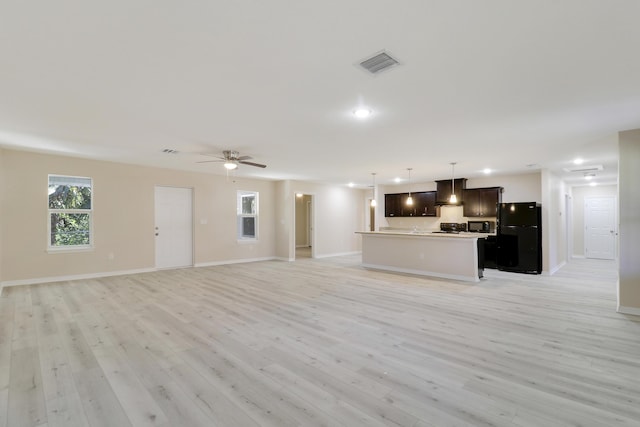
(304, 226)
(173, 227)
(600, 227)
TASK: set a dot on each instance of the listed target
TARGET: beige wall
(338, 213)
(2, 222)
(578, 195)
(517, 188)
(554, 230)
(629, 202)
(123, 219)
(284, 201)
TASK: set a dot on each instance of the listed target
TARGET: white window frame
(70, 248)
(242, 215)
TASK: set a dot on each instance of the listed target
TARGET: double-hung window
(247, 215)
(70, 212)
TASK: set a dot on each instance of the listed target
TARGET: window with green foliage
(70, 209)
(247, 215)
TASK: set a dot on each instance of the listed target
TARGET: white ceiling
(497, 84)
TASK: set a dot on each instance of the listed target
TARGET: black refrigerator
(519, 237)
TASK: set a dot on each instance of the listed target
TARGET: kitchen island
(450, 256)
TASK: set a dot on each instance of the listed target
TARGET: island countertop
(446, 255)
(461, 235)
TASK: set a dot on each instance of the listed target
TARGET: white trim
(338, 254)
(578, 257)
(558, 267)
(69, 249)
(628, 310)
(285, 259)
(420, 272)
(89, 212)
(74, 277)
(233, 261)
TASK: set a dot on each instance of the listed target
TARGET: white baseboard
(421, 272)
(233, 261)
(628, 310)
(578, 256)
(74, 277)
(338, 254)
(285, 259)
(558, 267)
(39, 280)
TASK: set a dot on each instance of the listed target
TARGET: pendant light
(453, 199)
(409, 199)
(373, 191)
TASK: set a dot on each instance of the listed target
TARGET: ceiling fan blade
(258, 165)
(241, 158)
(217, 156)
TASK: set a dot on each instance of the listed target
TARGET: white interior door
(174, 227)
(600, 227)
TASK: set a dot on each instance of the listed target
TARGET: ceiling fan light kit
(232, 159)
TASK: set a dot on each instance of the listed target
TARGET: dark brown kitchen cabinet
(482, 202)
(424, 204)
(444, 191)
(393, 205)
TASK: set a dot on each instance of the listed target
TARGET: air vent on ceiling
(170, 151)
(584, 168)
(379, 62)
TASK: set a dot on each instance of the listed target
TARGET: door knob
(157, 234)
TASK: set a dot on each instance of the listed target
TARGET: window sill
(67, 250)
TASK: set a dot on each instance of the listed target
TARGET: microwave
(481, 226)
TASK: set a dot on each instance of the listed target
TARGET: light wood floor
(319, 342)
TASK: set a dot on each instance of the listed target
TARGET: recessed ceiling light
(351, 184)
(593, 184)
(362, 113)
(578, 161)
(486, 171)
(397, 180)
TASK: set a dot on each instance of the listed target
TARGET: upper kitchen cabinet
(425, 203)
(392, 205)
(444, 191)
(482, 202)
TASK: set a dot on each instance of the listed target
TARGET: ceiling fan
(232, 159)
